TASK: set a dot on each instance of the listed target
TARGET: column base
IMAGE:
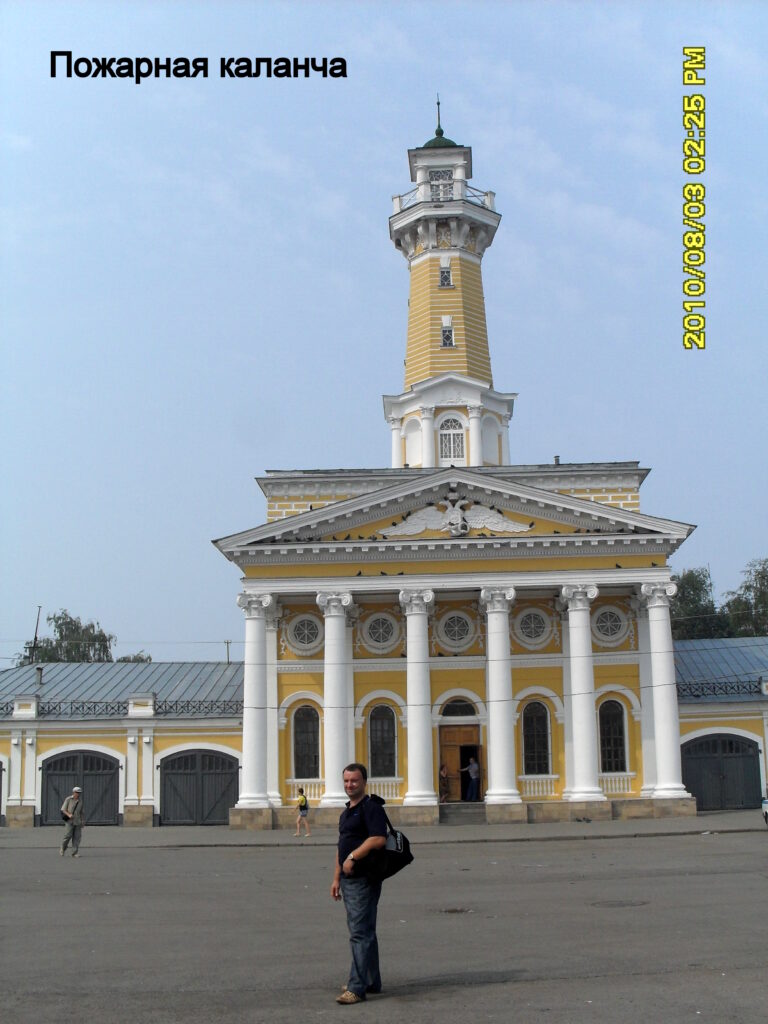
(671, 792)
(580, 796)
(503, 796)
(333, 800)
(251, 818)
(19, 816)
(275, 799)
(135, 816)
(420, 799)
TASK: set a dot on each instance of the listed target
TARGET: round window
(456, 631)
(381, 632)
(305, 634)
(610, 625)
(532, 628)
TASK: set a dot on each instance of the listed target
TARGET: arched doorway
(459, 740)
(722, 771)
(98, 775)
(198, 787)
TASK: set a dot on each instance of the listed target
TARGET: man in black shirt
(362, 829)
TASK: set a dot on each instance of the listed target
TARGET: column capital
(255, 605)
(416, 601)
(497, 599)
(394, 421)
(578, 596)
(334, 602)
(474, 410)
(427, 412)
(274, 615)
(657, 595)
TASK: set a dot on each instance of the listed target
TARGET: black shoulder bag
(393, 857)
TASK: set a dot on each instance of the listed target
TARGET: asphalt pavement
(650, 921)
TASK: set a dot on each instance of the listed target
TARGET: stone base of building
(506, 814)
(319, 817)
(135, 816)
(411, 815)
(20, 817)
(251, 818)
(675, 807)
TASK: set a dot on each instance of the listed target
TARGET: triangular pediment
(455, 505)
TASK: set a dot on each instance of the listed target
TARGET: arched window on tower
(451, 442)
(382, 733)
(306, 743)
(535, 739)
(613, 747)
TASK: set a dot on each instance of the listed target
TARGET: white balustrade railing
(537, 786)
(387, 789)
(616, 782)
(313, 789)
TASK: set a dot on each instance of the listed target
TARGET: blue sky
(198, 283)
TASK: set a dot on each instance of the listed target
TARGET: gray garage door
(722, 772)
(97, 775)
(198, 787)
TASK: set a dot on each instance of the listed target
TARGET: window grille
(446, 338)
(382, 732)
(609, 624)
(451, 440)
(306, 743)
(459, 709)
(533, 625)
(613, 756)
(441, 185)
(305, 632)
(445, 277)
(535, 739)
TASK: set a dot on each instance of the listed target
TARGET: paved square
(615, 930)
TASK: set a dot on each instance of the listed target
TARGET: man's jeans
(361, 900)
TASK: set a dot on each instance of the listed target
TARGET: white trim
(365, 637)
(524, 641)
(612, 695)
(5, 762)
(536, 692)
(72, 748)
(632, 698)
(609, 641)
(379, 695)
(288, 633)
(293, 698)
(480, 718)
(446, 641)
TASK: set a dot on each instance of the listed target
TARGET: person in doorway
(444, 786)
(72, 810)
(362, 830)
(302, 806)
(473, 787)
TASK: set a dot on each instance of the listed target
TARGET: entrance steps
(462, 813)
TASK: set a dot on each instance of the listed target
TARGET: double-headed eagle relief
(458, 518)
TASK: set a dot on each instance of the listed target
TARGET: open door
(457, 744)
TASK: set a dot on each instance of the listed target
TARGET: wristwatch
(351, 857)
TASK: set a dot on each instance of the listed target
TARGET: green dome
(439, 140)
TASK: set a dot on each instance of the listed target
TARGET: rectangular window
(445, 277)
(446, 335)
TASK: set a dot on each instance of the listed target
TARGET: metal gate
(722, 772)
(98, 777)
(198, 787)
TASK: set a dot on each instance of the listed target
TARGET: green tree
(747, 607)
(141, 656)
(693, 610)
(73, 640)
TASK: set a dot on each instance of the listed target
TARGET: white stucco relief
(456, 519)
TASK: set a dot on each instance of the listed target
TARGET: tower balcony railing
(426, 192)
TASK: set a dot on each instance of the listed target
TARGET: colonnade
(660, 723)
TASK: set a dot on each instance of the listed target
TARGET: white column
(584, 784)
(336, 699)
(501, 713)
(132, 770)
(505, 440)
(475, 435)
(147, 798)
(421, 783)
(253, 781)
(646, 699)
(273, 756)
(14, 770)
(349, 725)
(31, 774)
(666, 723)
(395, 425)
(567, 700)
(427, 436)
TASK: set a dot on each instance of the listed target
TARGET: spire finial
(438, 131)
